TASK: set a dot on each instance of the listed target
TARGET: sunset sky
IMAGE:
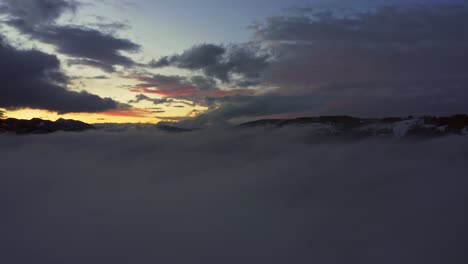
(233, 131)
(219, 61)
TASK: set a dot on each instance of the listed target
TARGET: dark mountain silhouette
(352, 127)
(342, 127)
(40, 126)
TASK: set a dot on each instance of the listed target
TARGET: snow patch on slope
(401, 128)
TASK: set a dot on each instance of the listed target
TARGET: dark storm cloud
(197, 57)
(204, 83)
(242, 196)
(391, 24)
(221, 62)
(92, 46)
(398, 60)
(36, 12)
(390, 44)
(385, 54)
(33, 79)
(84, 43)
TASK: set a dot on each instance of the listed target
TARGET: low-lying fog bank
(219, 196)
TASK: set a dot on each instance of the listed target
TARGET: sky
(202, 63)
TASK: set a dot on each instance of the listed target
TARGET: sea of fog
(231, 196)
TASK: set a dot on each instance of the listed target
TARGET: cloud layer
(88, 46)
(217, 61)
(363, 62)
(231, 197)
(402, 59)
(33, 79)
(394, 52)
(37, 12)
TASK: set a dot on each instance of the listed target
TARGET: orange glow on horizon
(128, 113)
(115, 116)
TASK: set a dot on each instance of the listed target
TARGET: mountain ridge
(424, 126)
(324, 126)
(41, 126)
